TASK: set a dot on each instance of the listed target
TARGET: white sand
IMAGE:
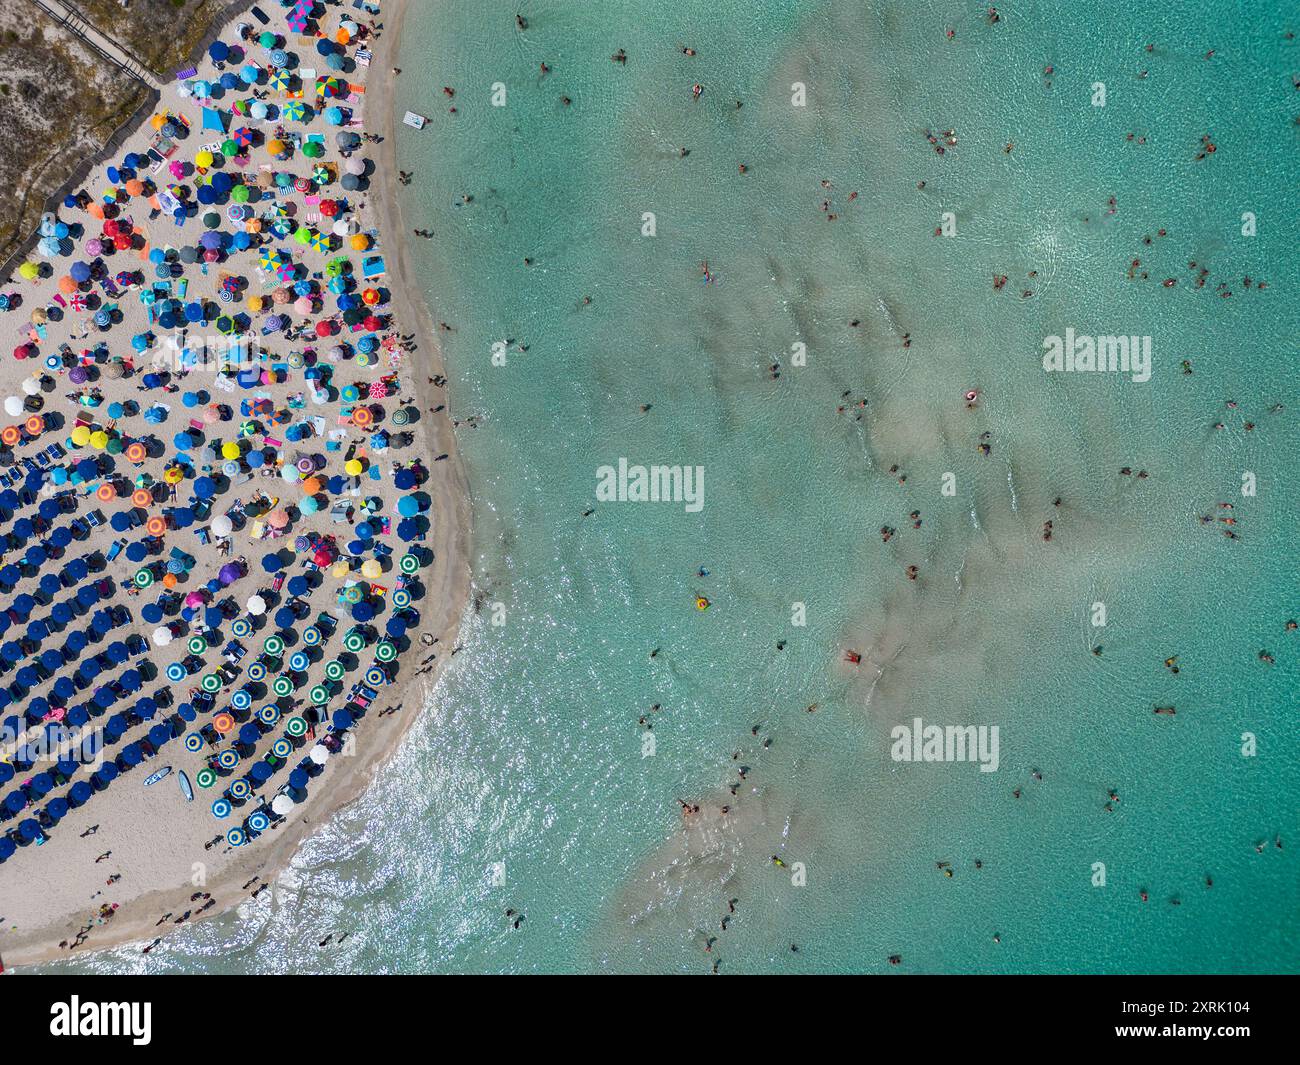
(48, 893)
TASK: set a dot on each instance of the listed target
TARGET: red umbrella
(329, 208)
(322, 557)
(122, 241)
(323, 329)
(372, 323)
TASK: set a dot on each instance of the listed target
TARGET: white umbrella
(256, 605)
(355, 165)
(162, 636)
(31, 386)
(14, 406)
(222, 525)
(319, 754)
(281, 805)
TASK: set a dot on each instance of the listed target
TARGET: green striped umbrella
(334, 669)
(319, 694)
(409, 563)
(296, 726)
(282, 685)
(205, 778)
(353, 640)
(210, 682)
(273, 645)
(143, 578)
(197, 645)
(385, 651)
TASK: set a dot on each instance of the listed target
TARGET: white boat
(414, 120)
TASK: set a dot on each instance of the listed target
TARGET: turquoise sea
(532, 756)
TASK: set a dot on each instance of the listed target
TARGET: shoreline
(446, 580)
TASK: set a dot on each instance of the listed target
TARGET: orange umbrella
(105, 492)
(10, 434)
(362, 416)
(311, 486)
(135, 452)
(223, 723)
(155, 526)
(35, 425)
(170, 580)
(66, 285)
(141, 497)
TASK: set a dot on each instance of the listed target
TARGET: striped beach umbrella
(280, 80)
(401, 598)
(210, 682)
(409, 563)
(241, 700)
(296, 726)
(298, 662)
(294, 111)
(334, 669)
(197, 645)
(221, 808)
(385, 651)
(143, 577)
(258, 821)
(353, 640)
(376, 677)
(193, 742)
(273, 645)
(269, 714)
(228, 759)
(282, 686)
(236, 837)
(282, 748)
(256, 670)
(175, 672)
(240, 789)
(319, 694)
(205, 778)
(319, 242)
(241, 627)
(223, 723)
(311, 636)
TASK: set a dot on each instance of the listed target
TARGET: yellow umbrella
(341, 569)
(360, 242)
(28, 271)
(255, 304)
(371, 568)
(230, 450)
(353, 467)
(99, 440)
(81, 436)
(174, 475)
(203, 159)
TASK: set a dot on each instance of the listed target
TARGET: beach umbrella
(319, 754)
(256, 670)
(205, 778)
(281, 805)
(282, 686)
(221, 809)
(296, 727)
(273, 645)
(334, 669)
(162, 636)
(385, 651)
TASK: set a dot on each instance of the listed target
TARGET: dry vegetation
(59, 104)
(162, 34)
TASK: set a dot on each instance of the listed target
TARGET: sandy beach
(147, 856)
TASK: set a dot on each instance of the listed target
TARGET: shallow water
(533, 757)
